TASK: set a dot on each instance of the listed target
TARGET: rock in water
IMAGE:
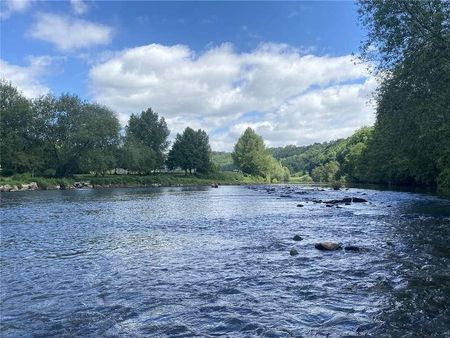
(297, 238)
(358, 200)
(330, 246)
(293, 252)
(351, 248)
(300, 205)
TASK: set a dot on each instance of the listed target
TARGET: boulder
(14, 188)
(33, 186)
(329, 205)
(300, 205)
(297, 238)
(293, 252)
(358, 200)
(330, 246)
(5, 188)
(351, 248)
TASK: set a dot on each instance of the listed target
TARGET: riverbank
(27, 183)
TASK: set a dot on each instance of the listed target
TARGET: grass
(171, 179)
(164, 179)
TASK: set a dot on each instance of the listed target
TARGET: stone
(297, 238)
(293, 252)
(33, 186)
(358, 200)
(351, 248)
(329, 205)
(300, 205)
(330, 246)
(5, 188)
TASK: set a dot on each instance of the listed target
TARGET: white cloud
(79, 7)
(68, 33)
(299, 98)
(27, 79)
(9, 7)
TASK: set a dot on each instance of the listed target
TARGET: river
(198, 261)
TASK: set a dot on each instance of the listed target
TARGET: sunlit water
(210, 262)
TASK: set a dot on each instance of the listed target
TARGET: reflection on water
(208, 262)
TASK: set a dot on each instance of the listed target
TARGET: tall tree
(251, 156)
(409, 44)
(150, 130)
(191, 151)
(250, 153)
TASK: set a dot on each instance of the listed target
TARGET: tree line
(62, 136)
(408, 44)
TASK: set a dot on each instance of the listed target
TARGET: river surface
(182, 262)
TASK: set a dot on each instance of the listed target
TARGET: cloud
(13, 6)
(79, 7)
(27, 79)
(68, 33)
(296, 98)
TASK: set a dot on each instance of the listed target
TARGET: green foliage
(19, 151)
(326, 172)
(251, 156)
(136, 157)
(223, 160)
(74, 132)
(328, 161)
(409, 44)
(149, 130)
(191, 151)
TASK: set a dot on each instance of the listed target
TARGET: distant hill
(223, 160)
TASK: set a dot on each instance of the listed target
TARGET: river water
(182, 262)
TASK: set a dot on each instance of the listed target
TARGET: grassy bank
(166, 179)
(227, 178)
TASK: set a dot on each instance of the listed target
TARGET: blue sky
(283, 68)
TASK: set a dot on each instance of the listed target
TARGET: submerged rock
(351, 248)
(330, 246)
(300, 205)
(346, 200)
(297, 238)
(293, 252)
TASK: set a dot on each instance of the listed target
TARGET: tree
(191, 151)
(74, 132)
(137, 157)
(251, 156)
(19, 151)
(149, 130)
(409, 44)
(250, 153)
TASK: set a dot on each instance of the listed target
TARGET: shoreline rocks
(22, 187)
